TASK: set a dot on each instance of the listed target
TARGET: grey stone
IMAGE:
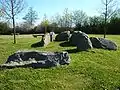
(81, 40)
(103, 43)
(45, 39)
(63, 36)
(37, 59)
(52, 36)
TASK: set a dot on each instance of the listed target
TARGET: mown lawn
(94, 70)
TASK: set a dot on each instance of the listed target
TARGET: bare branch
(11, 9)
(18, 6)
(110, 15)
(109, 1)
(103, 2)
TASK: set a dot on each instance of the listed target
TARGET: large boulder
(63, 36)
(37, 59)
(81, 40)
(103, 43)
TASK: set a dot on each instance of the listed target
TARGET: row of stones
(83, 42)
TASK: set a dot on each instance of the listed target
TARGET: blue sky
(51, 7)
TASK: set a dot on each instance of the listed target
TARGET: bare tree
(45, 23)
(11, 8)
(67, 18)
(64, 20)
(31, 16)
(59, 20)
(110, 7)
(1, 12)
(79, 17)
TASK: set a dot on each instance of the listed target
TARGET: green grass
(94, 70)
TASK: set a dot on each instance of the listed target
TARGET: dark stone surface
(103, 43)
(81, 40)
(37, 59)
(63, 36)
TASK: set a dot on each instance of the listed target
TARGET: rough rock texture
(103, 43)
(63, 36)
(37, 59)
(45, 39)
(81, 40)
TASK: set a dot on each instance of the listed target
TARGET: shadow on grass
(13, 67)
(38, 44)
(77, 51)
(49, 65)
(72, 51)
(66, 44)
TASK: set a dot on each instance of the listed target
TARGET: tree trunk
(45, 29)
(105, 26)
(106, 14)
(105, 32)
(14, 30)
(13, 21)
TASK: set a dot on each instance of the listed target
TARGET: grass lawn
(94, 70)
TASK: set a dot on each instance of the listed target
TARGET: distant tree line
(70, 20)
(107, 23)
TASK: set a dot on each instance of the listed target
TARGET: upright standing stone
(52, 36)
(45, 39)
